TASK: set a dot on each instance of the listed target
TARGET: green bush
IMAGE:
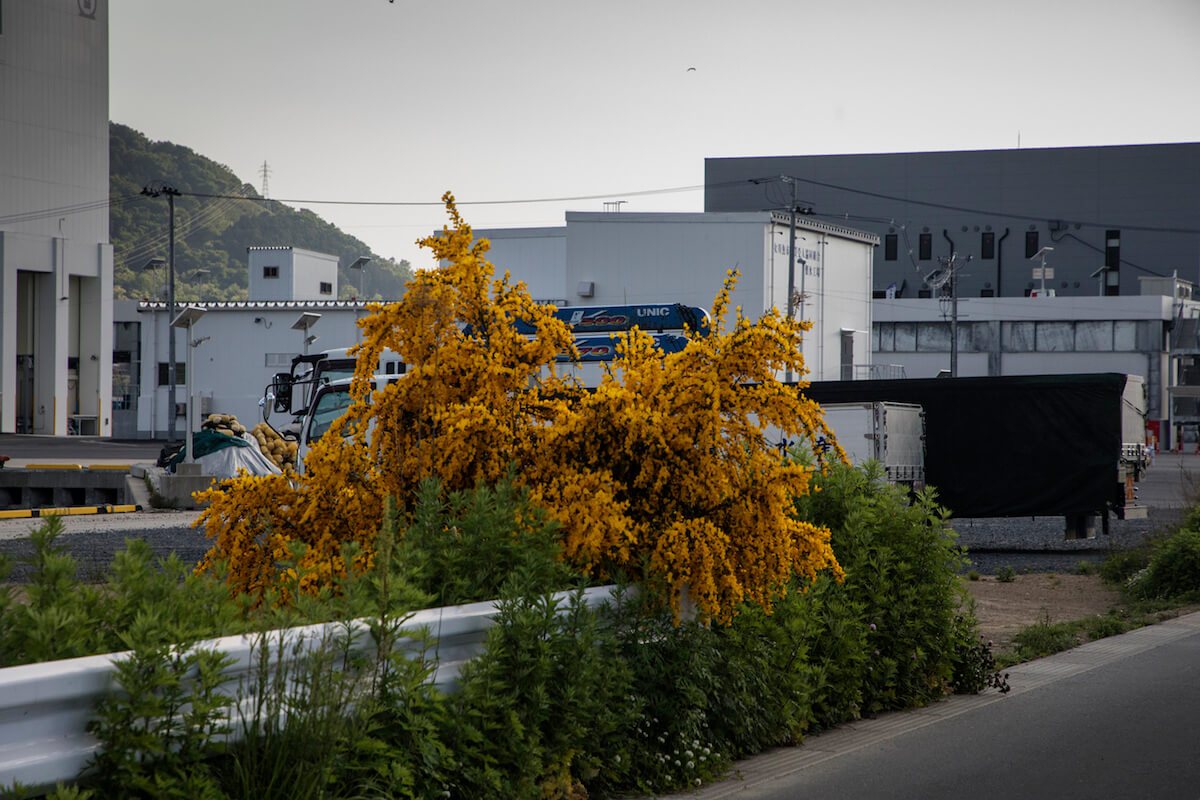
(469, 546)
(564, 701)
(1173, 568)
(64, 618)
(1119, 567)
(1045, 638)
(901, 594)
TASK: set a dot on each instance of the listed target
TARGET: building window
(890, 244)
(1125, 335)
(1031, 244)
(164, 372)
(326, 287)
(933, 337)
(1094, 336)
(987, 246)
(1016, 337)
(1054, 337)
(277, 360)
(926, 246)
(271, 272)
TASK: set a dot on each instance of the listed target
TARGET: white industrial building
(1154, 335)
(56, 263)
(235, 347)
(291, 273)
(620, 258)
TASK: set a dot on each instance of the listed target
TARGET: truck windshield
(330, 405)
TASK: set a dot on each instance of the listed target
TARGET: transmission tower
(265, 172)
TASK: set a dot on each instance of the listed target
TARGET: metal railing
(45, 708)
(872, 372)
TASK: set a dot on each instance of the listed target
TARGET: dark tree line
(212, 234)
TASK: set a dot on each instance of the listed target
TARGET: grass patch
(1045, 638)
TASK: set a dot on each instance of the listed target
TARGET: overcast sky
(366, 100)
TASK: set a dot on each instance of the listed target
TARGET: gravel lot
(1034, 544)
(94, 539)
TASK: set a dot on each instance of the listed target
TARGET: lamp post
(360, 264)
(304, 325)
(1041, 271)
(157, 189)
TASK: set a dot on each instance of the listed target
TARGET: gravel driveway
(1035, 544)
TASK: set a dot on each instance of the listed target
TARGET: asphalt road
(78, 449)
(1117, 718)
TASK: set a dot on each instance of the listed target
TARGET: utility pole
(950, 272)
(157, 189)
(265, 172)
(791, 261)
(791, 281)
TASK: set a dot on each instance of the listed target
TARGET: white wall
(231, 367)
(54, 154)
(537, 256)
(654, 258)
(684, 258)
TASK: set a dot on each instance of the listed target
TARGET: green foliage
(975, 664)
(212, 233)
(468, 546)
(1173, 568)
(64, 618)
(893, 619)
(1045, 638)
(157, 733)
(540, 708)
(1121, 566)
(1006, 574)
(564, 702)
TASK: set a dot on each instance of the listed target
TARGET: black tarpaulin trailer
(1028, 445)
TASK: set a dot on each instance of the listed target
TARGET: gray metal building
(1112, 214)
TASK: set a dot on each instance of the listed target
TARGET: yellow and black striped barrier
(65, 511)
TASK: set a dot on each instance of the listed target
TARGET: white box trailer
(891, 433)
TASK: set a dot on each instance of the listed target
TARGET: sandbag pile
(275, 447)
(224, 423)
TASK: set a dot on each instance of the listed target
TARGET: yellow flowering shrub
(662, 473)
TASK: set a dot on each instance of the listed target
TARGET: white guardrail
(45, 708)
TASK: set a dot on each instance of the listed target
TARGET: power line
(968, 210)
(438, 203)
(63, 211)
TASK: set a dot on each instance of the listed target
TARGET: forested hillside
(212, 234)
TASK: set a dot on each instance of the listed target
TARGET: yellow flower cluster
(662, 473)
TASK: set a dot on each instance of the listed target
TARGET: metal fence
(45, 708)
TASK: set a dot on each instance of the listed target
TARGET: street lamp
(360, 264)
(1040, 272)
(187, 319)
(158, 189)
(304, 324)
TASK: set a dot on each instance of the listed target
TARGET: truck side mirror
(281, 387)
